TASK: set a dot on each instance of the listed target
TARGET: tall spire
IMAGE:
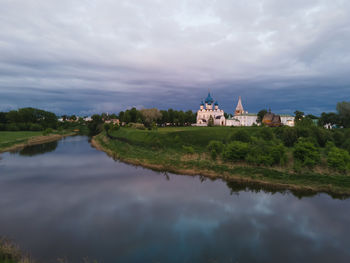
(239, 108)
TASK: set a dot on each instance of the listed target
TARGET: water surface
(68, 200)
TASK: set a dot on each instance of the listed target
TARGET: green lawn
(9, 138)
(176, 137)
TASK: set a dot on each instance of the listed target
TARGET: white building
(241, 117)
(210, 110)
(287, 120)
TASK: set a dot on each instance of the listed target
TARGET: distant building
(272, 120)
(114, 121)
(210, 109)
(241, 117)
(287, 120)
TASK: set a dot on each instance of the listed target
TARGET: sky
(92, 56)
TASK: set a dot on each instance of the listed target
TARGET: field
(184, 150)
(10, 138)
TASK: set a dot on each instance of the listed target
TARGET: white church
(210, 110)
(240, 117)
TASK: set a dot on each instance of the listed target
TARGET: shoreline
(35, 141)
(228, 177)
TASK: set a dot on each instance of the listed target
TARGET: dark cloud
(109, 55)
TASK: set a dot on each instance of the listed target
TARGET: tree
(261, 115)
(190, 117)
(299, 115)
(343, 109)
(171, 116)
(121, 116)
(3, 117)
(133, 114)
(150, 115)
(330, 118)
(95, 125)
(211, 121)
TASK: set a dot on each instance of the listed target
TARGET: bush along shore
(300, 158)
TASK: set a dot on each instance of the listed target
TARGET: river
(68, 200)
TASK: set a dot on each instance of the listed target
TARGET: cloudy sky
(93, 56)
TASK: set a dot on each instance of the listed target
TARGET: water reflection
(39, 149)
(77, 202)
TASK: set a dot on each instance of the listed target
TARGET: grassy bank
(185, 151)
(12, 140)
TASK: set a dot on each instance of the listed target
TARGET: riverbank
(12, 141)
(131, 147)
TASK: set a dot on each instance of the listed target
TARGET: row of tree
(162, 117)
(340, 118)
(27, 119)
(148, 117)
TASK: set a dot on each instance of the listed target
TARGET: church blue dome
(209, 99)
(216, 103)
(202, 103)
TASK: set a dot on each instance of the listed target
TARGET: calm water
(68, 200)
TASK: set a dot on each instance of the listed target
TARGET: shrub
(47, 131)
(236, 150)
(240, 135)
(278, 154)
(22, 126)
(258, 159)
(338, 138)
(306, 152)
(188, 149)
(215, 148)
(139, 126)
(35, 127)
(329, 145)
(322, 136)
(12, 127)
(115, 127)
(264, 153)
(266, 133)
(9, 252)
(289, 136)
(303, 131)
(338, 159)
(107, 127)
(346, 145)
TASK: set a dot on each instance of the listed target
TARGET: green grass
(10, 138)
(163, 149)
(197, 137)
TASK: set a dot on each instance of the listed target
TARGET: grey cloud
(167, 54)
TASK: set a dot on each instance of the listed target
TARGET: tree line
(27, 119)
(144, 118)
(161, 117)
